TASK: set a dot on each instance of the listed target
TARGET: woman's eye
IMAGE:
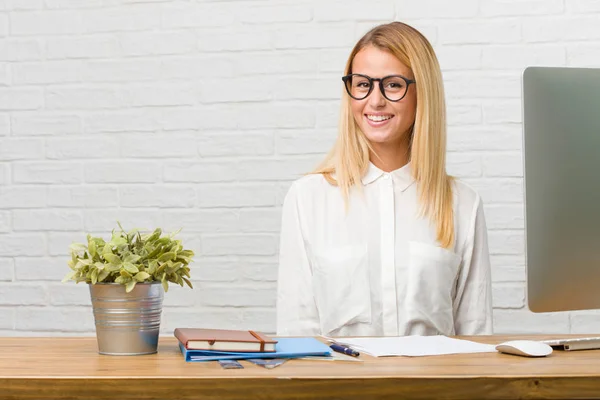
(394, 85)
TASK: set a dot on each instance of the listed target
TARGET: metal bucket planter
(127, 323)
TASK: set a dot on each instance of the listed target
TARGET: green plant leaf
(152, 267)
(125, 274)
(163, 241)
(167, 257)
(130, 285)
(85, 261)
(187, 260)
(112, 268)
(187, 281)
(157, 251)
(92, 248)
(118, 241)
(132, 258)
(69, 276)
(186, 253)
(103, 275)
(141, 276)
(175, 233)
(94, 276)
(77, 247)
(173, 267)
(130, 268)
(131, 235)
(112, 258)
(161, 269)
(155, 235)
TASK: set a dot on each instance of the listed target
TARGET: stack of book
(197, 344)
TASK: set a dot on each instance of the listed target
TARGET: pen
(344, 350)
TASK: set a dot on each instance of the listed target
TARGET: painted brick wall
(199, 114)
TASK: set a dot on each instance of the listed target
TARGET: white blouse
(377, 269)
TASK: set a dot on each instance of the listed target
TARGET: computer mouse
(526, 348)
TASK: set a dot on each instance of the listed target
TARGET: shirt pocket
(341, 286)
(432, 273)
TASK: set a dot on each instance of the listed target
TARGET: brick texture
(199, 115)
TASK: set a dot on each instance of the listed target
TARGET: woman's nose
(376, 98)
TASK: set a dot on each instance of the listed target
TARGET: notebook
(285, 348)
(224, 340)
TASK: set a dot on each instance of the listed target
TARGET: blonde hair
(348, 160)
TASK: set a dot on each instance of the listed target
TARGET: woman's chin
(381, 138)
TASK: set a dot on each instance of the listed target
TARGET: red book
(224, 340)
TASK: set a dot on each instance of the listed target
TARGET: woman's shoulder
(466, 196)
(311, 189)
(468, 208)
(311, 183)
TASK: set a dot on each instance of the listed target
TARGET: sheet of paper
(414, 346)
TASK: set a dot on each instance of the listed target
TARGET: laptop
(574, 344)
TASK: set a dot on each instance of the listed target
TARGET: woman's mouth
(377, 120)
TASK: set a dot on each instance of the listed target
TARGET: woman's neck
(389, 158)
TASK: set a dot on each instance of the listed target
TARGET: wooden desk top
(61, 368)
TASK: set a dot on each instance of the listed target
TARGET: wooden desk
(68, 368)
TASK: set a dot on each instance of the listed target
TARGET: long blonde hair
(348, 160)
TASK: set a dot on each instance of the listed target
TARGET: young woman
(379, 240)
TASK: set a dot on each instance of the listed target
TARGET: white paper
(414, 346)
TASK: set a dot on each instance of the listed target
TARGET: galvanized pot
(127, 323)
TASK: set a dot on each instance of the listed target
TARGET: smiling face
(384, 123)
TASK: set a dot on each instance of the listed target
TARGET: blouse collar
(402, 177)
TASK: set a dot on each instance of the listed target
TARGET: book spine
(181, 337)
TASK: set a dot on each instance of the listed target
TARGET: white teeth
(378, 118)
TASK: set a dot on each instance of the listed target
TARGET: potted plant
(127, 276)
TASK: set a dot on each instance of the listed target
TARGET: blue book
(285, 348)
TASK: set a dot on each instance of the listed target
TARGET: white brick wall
(200, 114)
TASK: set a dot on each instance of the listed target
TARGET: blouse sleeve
(473, 300)
(296, 308)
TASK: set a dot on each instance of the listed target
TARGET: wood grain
(68, 368)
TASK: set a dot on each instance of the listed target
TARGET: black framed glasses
(393, 87)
